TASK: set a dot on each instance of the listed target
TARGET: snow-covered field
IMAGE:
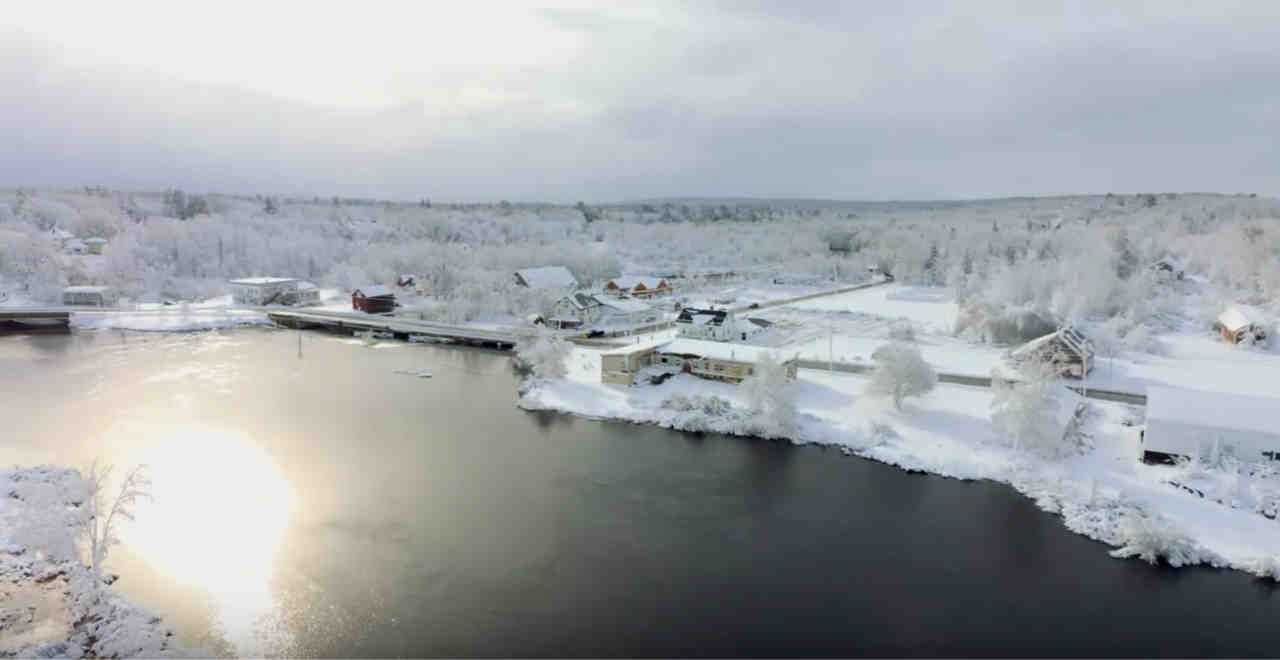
(48, 604)
(1105, 492)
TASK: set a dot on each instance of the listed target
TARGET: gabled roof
(547, 277)
(374, 291)
(1067, 337)
(629, 282)
(1237, 412)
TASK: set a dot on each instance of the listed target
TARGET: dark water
(431, 517)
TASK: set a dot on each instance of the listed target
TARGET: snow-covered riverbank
(1104, 492)
(48, 604)
(169, 321)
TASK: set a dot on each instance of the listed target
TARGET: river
(309, 501)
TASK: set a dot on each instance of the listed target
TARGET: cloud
(772, 99)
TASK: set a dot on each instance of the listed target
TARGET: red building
(376, 299)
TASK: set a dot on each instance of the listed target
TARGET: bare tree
(901, 372)
(100, 523)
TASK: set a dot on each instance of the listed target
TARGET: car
(595, 333)
(753, 306)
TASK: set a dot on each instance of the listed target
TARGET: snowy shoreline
(1104, 493)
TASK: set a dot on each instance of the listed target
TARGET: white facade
(586, 309)
(1182, 422)
(264, 291)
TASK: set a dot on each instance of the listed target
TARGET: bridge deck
(396, 325)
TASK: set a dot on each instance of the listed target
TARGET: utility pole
(831, 346)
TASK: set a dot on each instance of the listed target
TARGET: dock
(401, 328)
(35, 320)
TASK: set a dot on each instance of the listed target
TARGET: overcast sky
(476, 100)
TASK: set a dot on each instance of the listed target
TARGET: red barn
(375, 299)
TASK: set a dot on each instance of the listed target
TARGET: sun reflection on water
(217, 521)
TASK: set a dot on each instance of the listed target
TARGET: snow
(624, 306)
(261, 281)
(1234, 318)
(86, 289)
(718, 350)
(547, 277)
(168, 321)
(1213, 409)
(51, 607)
(1103, 492)
(375, 290)
(930, 307)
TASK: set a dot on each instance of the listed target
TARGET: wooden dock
(401, 328)
(35, 320)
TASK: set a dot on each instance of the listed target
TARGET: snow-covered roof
(73, 243)
(629, 282)
(625, 306)
(374, 291)
(547, 277)
(1234, 319)
(642, 346)
(304, 286)
(1257, 414)
(95, 240)
(86, 289)
(61, 234)
(1067, 337)
(262, 281)
(719, 350)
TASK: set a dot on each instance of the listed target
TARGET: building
(1165, 270)
(708, 324)
(95, 244)
(546, 277)
(1185, 423)
(60, 236)
(1065, 348)
(97, 296)
(637, 286)
(583, 309)
(374, 299)
(731, 363)
(75, 246)
(1237, 326)
(308, 294)
(264, 291)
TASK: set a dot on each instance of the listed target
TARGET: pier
(35, 320)
(401, 328)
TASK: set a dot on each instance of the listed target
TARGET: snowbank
(1103, 492)
(49, 606)
(168, 321)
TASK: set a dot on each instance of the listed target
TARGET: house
(546, 277)
(374, 299)
(708, 324)
(731, 363)
(308, 294)
(1065, 348)
(75, 246)
(97, 296)
(264, 290)
(641, 287)
(1237, 326)
(60, 236)
(95, 244)
(582, 309)
(406, 281)
(1185, 423)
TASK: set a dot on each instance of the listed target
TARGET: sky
(481, 100)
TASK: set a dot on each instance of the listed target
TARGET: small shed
(1065, 348)
(374, 299)
(546, 277)
(1185, 423)
(97, 296)
(95, 244)
(1239, 326)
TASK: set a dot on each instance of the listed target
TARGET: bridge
(35, 319)
(400, 327)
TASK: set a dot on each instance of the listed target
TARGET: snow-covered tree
(770, 398)
(901, 372)
(543, 354)
(103, 516)
(1027, 412)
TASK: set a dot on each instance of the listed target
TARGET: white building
(731, 363)
(97, 296)
(1182, 422)
(264, 291)
(546, 277)
(583, 309)
(717, 325)
(75, 246)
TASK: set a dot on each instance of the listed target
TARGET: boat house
(374, 299)
(97, 296)
(1185, 423)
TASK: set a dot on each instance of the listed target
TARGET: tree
(1026, 412)
(101, 519)
(269, 206)
(542, 353)
(901, 372)
(770, 399)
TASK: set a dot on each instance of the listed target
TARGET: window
(1272, 455)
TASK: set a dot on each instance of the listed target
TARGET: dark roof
(687, 314)
(760, 322)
